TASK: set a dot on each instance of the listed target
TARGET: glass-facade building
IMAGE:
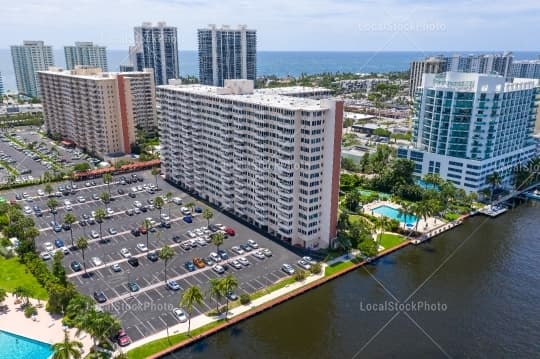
(28, 59)
(467, 126)
(86, 54)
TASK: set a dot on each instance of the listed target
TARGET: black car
(132, 195)
(140, 179)
(144, 209)
(185, 245)
(165, 224)
(100, 297)
(135, 232)
(39, 213)
(18, 196)
(76, 266)
(213, 228)
(133, 261)
(245, 247)
(82, 222)
(66, 226)
(93, 183)
(177, 239)
(121, 191)
(153, 256)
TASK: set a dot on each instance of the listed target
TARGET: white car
(177, 200)
(252, 244)
(40, 192)
(94, 234)
(287, 268)
(110, 211)
(219, 225)
(180, 315)
(142, 247)
(67, 202)
(201, 241)
(243, 261)
(45, 256)
(237, 250)
(48, 246)
(218, 269)
(81, 199)
(64, 250)
(68, 207)
(137, 204)
(185, 211)
(309, 260)
(97, 261)
(27, 209)
(198, 232)
(259, 254)
(302, 263)
(267, 252)
(165, 217)
(190, 233)
(215, 257)
(125, 252)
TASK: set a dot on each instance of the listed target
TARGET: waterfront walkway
(44, 327)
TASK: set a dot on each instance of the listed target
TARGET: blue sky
(340, 25)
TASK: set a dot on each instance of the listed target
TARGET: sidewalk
(45, 328)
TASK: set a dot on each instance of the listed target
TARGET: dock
(493, 211)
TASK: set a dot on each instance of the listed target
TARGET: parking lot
(149, 309)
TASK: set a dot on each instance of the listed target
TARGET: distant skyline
(300, 25)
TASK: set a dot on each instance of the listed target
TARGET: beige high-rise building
(431, 65)
(99, 111)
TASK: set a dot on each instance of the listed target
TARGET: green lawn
(389, 240)
(160, 344)
(14, 274)
(339, 266)
(272, 288)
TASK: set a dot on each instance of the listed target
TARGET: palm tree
(216, 291)
(107, 179)
(382, 223)
(165, 254)
(159, 203)
(82, 244)
(105, 197)
(78, 305)
(168, 197)
(208, 214)
(493, 180)
(191, 206)
(100, 325)
(67, 349)
(52, 204)
(192, 296)
(100, 215)
(155, 172)
(217, 239)
(22, 292)
(147, 225)
(48, 189)
(229, 284)
(69, 218)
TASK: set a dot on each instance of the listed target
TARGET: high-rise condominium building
(86, 54)
(99, 111)
(269, 158)
(467, 126)
(226, 53)
(28, 59)
(526, 69)
(156, 47)
(1, 86)
(500, 64)
(430, 65)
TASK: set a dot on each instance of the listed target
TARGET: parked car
(45, 256)
(152, 256)
(189, 266)
(116, 268)
(185, 245)
(223, 254)
(97, 261)
(259, 254)
(113, 231)
(173, 285)
(188, 219)
(94, 234)
(142, 247)
(287, 268)
(309, 260)
(303, 264)
(215, 257)
(133, 287)
(243, 261)
(232, 296)
(267, 252)
(235, 264)
(58, 243)
(48, 246)
(133, 261)
(180, 315)
(76, 266)
(237, 250)
(122, 338)
(125, 252)
(252, 244)
(198, 262)
(136, 232)
(100, 297)
(218, 269)
(230, 231)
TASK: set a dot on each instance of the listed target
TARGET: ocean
(279, 63)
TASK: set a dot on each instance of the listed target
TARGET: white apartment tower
(28, 59)
(226, 53)
(268, 158)
(86, 54)
(467, 126)
(99, 111)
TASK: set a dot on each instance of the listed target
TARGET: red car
(142, 230)
(123, 339)
(230, 231)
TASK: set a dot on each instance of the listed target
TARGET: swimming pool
(14, 346)
(393, 213)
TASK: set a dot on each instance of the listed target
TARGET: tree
(82, 244)
(494, 180)
(48, 189)
(343, 221)
(67, 349)
(191, 297)
(155, 172)
(168, 197)
(217, 239)
(100, 215)
(58, 269)
(191, 206)
(105, 197)
(159, 203)
(229, 283)
(368, 247)
(78, 305)
(348, 164)
(22, 293)
(382, 224)
(208, 214)
(352, 200)
(100, 325)
(82, 166)
(53, 204)
(147, 225)
(165, 254)
(107, 179)
(216, 291)
(70, 219)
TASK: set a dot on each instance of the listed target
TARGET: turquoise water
(16, 347)
(394, 214)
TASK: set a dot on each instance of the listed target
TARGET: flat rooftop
(274, 98)
(90, 73)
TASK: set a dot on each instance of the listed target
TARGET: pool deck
(424, 226)
(45, 328)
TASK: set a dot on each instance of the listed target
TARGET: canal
(471, 293)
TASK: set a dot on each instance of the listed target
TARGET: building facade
(529, 69)
(500, 64)
(99, 111)
(28, 59)
(268, 158)
(156, 47)
(86, 54)
(467, 126)
(226, 53)
(1, 86)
